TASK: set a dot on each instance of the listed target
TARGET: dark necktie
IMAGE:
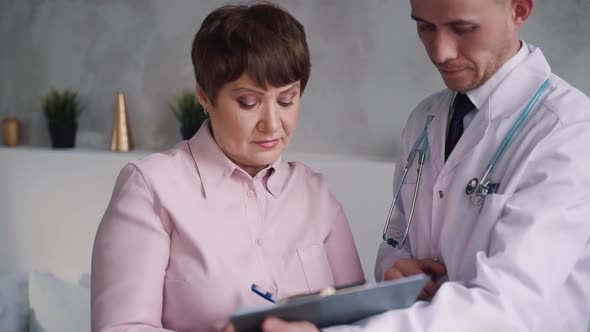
(461, 107)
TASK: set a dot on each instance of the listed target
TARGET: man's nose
(443, 48)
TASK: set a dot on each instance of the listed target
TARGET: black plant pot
(63, 135)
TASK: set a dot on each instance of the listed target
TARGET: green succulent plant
(189, 112)
(62, 109)
(61, 106)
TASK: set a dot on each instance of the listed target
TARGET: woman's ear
(202, 97)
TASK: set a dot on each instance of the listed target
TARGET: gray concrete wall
(369, 69)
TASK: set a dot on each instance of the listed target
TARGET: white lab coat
(522, 261)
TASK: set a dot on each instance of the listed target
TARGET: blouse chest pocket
(316, 267)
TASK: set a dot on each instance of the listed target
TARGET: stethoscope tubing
(481, 184)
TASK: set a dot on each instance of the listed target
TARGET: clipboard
(342, 306)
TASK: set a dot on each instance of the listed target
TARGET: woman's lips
(269, 144)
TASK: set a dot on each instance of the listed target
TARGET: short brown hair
(260, 39)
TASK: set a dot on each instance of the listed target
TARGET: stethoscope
(477, 189)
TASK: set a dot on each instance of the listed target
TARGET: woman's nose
(270, 121)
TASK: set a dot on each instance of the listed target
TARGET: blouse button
(250, 193)
(441, 194)
(259, 242)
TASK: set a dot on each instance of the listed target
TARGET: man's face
(467, 40)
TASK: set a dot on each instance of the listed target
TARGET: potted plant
(62, 109)
(189, 112)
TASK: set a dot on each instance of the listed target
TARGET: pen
(263, 293)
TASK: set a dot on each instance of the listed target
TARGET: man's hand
(229, 328)
(406, 267)
(277, 325)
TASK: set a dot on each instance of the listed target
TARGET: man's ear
(521, 11)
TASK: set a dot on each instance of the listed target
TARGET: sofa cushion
(57, 305)
(14, 302)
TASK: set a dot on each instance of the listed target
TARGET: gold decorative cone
(122, 140)
(11, 131)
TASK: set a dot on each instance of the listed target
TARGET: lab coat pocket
(493, 206)
(316, 267)
(491, 211)
(477, 233)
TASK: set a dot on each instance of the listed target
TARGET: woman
(189, 230)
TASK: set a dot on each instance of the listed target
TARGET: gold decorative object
(122, 140)
(11, 131)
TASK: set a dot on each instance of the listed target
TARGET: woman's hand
(277, 325)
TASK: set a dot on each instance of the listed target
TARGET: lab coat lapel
(516, 90)
(438, 129)
(511, 96)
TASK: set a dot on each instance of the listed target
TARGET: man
(521, 260)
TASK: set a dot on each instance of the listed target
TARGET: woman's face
(251, 125)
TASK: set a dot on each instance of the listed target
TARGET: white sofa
(51, 202)
(41, 302)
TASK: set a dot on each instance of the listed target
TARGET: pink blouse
(187, 233)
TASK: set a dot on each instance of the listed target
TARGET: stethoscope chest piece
(471, 186)
(479, 190)
(477, 199)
